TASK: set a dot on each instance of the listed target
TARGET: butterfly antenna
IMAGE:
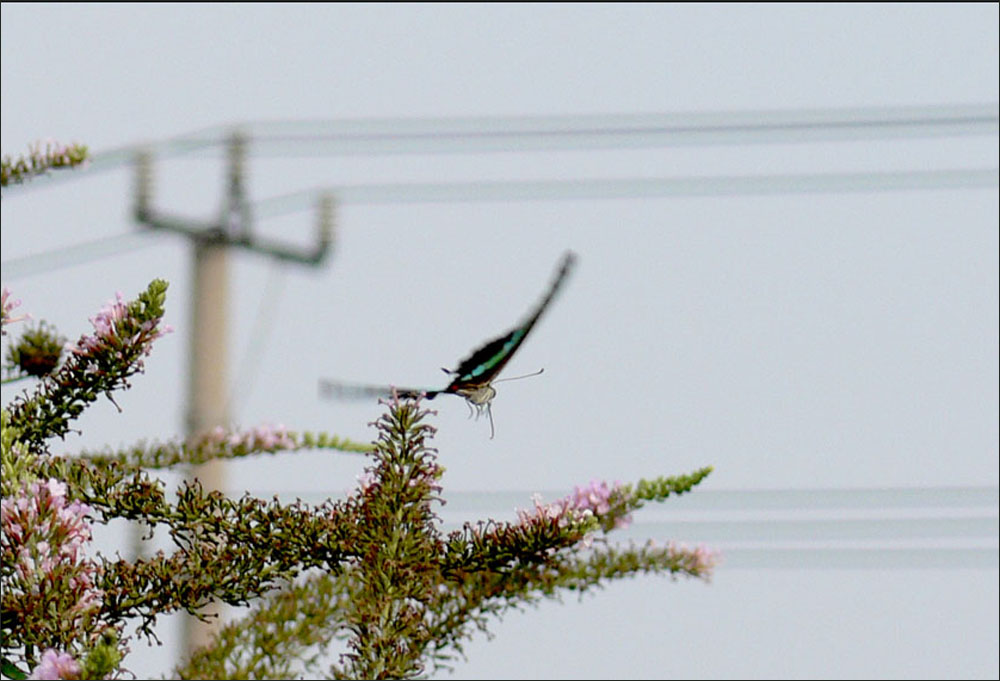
(515, 378)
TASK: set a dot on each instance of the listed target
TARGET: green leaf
(10, 670)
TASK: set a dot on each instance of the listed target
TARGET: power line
(930, 558)
(634, 188)
(533, 133)
(873, 528)
(76, 254)
(862, 528)
(783, 499)
(543, 190)
(248, 367)
(547, 133)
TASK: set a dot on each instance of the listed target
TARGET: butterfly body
(474, 375)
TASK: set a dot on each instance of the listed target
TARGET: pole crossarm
(234, 227)
(213, 232)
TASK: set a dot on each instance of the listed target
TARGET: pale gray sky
(793, 340)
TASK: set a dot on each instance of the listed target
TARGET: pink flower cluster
(42, 518)
(366, 480)
(596, 499)
(264, 437)
(56, 665)
(697, 561)
(116, 328)
(111, 315)
(7, 304)
(563, 512)
(43, 537)
(559, 510)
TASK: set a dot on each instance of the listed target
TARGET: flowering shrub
(40, 159)
(42, 540)
(374, 571)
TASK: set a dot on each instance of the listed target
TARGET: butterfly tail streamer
(340, 390)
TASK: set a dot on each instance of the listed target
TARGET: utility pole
(208, 381)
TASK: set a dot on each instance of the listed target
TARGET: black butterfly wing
(483, 365)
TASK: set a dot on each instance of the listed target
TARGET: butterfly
(475, 375)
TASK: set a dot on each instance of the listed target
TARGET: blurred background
(786, 221)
